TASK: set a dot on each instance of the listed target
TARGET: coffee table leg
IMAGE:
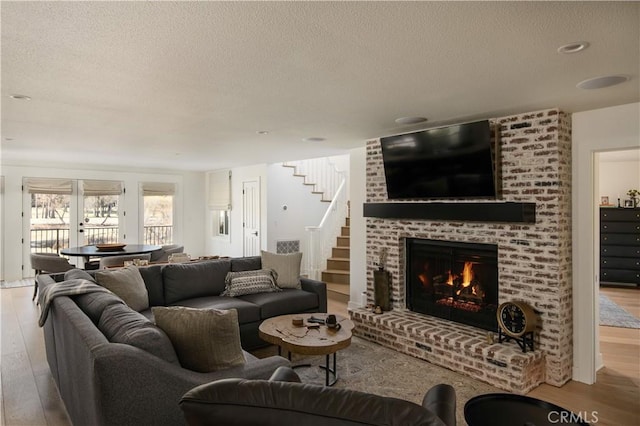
(328, 370)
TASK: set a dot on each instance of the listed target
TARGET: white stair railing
(323, 173)
(321, 239)
(327, 178)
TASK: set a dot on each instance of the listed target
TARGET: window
(220, 201)
(100, 211)
(158, 208)
(221, 223)
(49, 213)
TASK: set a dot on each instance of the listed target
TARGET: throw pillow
(121, 324)
(250, 282)
(287, 267)
(127, 283)
(205, 339)
(76, 273)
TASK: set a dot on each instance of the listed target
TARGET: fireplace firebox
(453, 280)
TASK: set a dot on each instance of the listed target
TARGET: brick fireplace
(533, 263)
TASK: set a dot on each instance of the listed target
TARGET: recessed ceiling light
(262, 132)
(574, 47)
(20, 97)
(313, 139)
(602, 82)
(410, 120)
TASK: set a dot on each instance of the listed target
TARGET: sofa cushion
(92, 304)
(250, 282)
(287, 266)
(128, 284)
(121, 324)
(189, 280)
(250, 263)
(247, 311)
(152, 276)
(289, 301)
(205, 339)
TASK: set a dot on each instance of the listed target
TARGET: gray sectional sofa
(106, 383)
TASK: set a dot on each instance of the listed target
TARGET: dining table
(89, 251)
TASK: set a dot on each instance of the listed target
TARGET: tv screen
(446, 162)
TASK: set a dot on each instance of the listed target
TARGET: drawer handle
(604, 261)
(605, 227)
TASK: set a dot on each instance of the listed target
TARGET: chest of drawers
(620, 246)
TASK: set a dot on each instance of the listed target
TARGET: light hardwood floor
(29, 396)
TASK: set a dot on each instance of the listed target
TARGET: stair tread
(339, 259)
(336, 271)
(338, 288)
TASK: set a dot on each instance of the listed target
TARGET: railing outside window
(52, 240)
(158, 234)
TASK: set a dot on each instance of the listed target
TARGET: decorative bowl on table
(110, 247)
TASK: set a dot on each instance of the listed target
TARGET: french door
(62, 213)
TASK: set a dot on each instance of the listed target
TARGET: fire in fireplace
(453, 280)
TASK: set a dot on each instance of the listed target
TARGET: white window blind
(47, 186)
(101, 187)
(220, 190)
(158, 188)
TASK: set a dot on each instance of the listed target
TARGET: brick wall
(534, 260)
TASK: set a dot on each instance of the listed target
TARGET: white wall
(358, 240)
(302, 207)
(606, 129)
(233, 246)
(188, 219)
(618, 173)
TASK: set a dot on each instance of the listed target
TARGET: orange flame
(466, 275)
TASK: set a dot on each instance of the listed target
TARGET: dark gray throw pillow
(76, 273)
(93, 304)
(121, 324)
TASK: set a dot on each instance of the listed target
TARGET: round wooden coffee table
(310, 338)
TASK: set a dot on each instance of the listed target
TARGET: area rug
(613, 315)
(368, 367)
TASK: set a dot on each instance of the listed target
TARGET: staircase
(337, 273)
(323, 177)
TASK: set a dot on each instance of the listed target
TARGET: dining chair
(114, 261)
(48, 263)
(163, 254)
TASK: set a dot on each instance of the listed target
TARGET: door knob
(255, 233)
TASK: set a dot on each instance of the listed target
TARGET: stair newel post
(313, 258)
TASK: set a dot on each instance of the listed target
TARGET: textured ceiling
(186, 85)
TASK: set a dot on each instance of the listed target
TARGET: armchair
(283, 401)
(162, 255)
(50, 263)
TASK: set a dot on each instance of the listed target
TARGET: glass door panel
(158, 219)
(100, 219)
(49, 222)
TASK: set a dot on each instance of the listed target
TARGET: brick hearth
(534, 263)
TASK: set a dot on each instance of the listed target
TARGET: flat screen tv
(446, 162)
